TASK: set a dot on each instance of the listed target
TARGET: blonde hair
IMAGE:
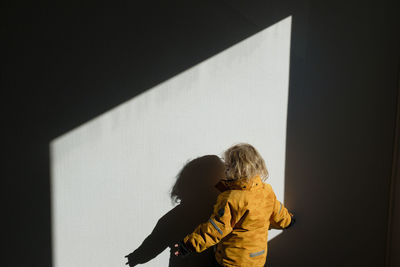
(242, 161)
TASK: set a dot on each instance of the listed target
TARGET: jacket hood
(240, 184)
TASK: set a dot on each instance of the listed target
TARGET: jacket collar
(241, 184)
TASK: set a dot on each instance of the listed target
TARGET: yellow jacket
(244, 212)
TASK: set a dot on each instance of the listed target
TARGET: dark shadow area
(196, 193)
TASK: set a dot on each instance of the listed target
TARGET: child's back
(245, 210)
(240, 222)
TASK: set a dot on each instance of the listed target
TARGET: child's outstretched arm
(209, 233)
(281, 218)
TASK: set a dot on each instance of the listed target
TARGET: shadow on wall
(282, 245)
(195, 192)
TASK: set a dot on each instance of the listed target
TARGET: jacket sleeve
(281, 218)
(219, 225)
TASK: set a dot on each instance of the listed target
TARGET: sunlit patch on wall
(111, 176)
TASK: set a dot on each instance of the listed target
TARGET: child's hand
(292, 220)
(177, 251)
(181, 249)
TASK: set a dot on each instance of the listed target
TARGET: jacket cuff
(184, 249)
(292, 221)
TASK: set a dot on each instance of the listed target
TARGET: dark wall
(393, 256)
(65, 65)
(395, 244)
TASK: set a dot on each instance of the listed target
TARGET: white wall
(111, 177)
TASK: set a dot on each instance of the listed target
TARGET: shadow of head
(195, 183)
(195, 192)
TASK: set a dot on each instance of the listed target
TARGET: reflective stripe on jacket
(239, 224)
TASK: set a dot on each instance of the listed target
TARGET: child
(246, 208)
